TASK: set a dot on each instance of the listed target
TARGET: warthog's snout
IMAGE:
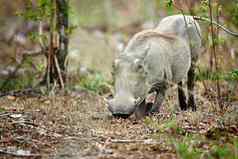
(122, 108)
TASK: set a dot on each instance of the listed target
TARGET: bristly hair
(153, 33)
(139, 38)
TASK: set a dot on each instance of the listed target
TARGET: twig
(34, 53)
(23, 139)
(214, 54)
(125, 141)
(5, 114)
(27, 91)
(24, 123)
(59, 72)
(148, 141)
(217, 24)
(18, 154)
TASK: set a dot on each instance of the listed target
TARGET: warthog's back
(185, 27)
(163, 55)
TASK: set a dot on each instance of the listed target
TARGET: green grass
(190, 147)
(185, 151)
(216, 143)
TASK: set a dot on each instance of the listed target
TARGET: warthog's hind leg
(182, 97)
(190, 84)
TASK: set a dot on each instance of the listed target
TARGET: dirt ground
(78, 125)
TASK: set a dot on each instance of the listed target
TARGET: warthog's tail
(217, 24)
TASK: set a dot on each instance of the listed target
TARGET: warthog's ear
(146, 51)
(139, 62)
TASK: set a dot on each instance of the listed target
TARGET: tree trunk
(62, 28)
(58, 47)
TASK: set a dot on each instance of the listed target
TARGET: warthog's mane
(153, 33)
(140, 38)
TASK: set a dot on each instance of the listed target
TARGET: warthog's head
(130, 85)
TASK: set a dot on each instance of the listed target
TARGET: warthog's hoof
(124, 116)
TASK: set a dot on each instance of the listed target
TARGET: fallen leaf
(11, 97)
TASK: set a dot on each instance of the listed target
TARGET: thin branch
(5, 114)
(125, 141)
(213, 22)
(34, 53)
(217, 24)
(24, 123)
(214, 53)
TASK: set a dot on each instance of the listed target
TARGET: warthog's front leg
(160, 89)
(158, 101)
(142, 109)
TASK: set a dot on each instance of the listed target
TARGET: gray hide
(152, 59)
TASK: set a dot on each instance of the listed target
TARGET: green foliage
(169, 3)
(40, 12)
(2, 109)
(235, 14)
(194, 145)
(205, 74)
(233, 74)
(95, 83)
(230, 9)
(28, 78)
(169, 6)
(204, 8)
(188, 148)
(16, 83)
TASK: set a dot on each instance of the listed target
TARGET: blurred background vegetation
(100, 30)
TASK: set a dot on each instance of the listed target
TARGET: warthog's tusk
(138, 101)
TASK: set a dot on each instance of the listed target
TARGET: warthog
(151, 61)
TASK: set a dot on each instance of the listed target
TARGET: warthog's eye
(138, 65)
(139, 68)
